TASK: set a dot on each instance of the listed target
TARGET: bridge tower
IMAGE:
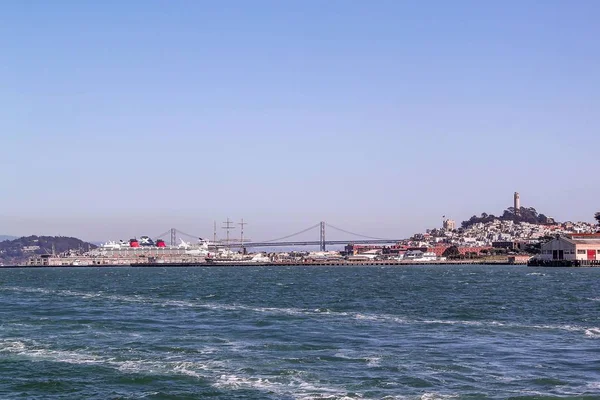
(173, 237)
(322, 237)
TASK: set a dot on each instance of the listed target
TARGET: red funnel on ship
(134, 243)
(160, 243)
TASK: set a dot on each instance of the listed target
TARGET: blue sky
(128, 118)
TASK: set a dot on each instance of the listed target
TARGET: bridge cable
(164, 234)
(357, 234)
(289, 236)
(187, 234)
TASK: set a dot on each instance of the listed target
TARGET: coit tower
(517, 202)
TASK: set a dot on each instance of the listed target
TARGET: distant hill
(6, 237)
(20, 249)
(529, 215)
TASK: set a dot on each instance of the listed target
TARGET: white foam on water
(460, 322)
(593, 333)
(25, 289)
(34, 351)
(273, 310)
(343, 355)
(146, 394)
(437, 396)
(593, 385)
(239, 382)
(70, 357)
(11, 346)
(296, 388)
(330, 397)
(190, 369)
(72, 293)
(368, 317)
(176, 303)
(384, 318)
(381, 318)
(373, 361)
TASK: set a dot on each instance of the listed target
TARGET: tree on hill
(525, 214)
(484, 218)
(450, 252)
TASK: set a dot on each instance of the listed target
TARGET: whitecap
(593, 385)
(25, 289)
(437, 396)
(593, 332)
(35, 351)
(373, 361)
(296, 388)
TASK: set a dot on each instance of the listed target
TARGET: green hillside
(18, 250)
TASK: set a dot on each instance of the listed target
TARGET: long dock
(563, 263)
(323, 264)
(311, 263)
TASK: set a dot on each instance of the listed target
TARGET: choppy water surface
(300, 333)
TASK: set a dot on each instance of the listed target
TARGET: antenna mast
(228, 226)
(242, 224)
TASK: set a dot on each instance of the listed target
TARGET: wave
(593, 385)
(593, 332)
(175, 303)
(295, 388)
(214, 372)
(291, 311)
(589, 331)
(33, 350)
(26, 289)
(437, 396)
(71, 293)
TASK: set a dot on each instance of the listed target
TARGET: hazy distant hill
(6, 237)
(20, 249)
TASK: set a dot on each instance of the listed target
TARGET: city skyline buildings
(134, 118)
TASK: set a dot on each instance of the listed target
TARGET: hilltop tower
(517, 203)
(449, 225)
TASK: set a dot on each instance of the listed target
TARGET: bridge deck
(310, 243)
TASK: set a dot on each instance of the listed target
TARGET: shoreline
(276, 264)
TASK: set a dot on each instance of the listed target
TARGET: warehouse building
(582, 247)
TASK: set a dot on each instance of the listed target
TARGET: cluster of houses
(558, 241)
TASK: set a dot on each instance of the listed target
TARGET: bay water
(410, 332)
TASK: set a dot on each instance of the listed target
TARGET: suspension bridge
(285, 241)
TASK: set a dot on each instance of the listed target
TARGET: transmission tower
(322, 237)
(228, 227)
